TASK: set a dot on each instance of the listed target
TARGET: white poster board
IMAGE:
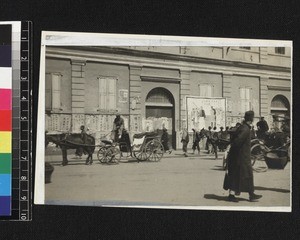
(204, 112)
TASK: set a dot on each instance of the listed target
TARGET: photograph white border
(53, 38)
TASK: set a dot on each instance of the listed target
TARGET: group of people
(240, 174)
(212, 135)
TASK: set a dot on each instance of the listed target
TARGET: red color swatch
(5, 120)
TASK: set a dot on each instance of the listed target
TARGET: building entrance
(160, 112)
(280, 110)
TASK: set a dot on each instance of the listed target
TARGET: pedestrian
(240, 173)
(118, 127)
(185, 140)
(165, 140)
(262, 128)
(196, 141)
(208, 135)
(213, 142)
(222, 136)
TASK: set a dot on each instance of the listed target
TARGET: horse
(72, 141)
(215, 141)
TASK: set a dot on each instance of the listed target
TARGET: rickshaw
(146, 146)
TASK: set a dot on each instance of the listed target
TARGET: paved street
(175, 181)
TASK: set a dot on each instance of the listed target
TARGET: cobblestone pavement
(174, 181)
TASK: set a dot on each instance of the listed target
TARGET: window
(245, 98)
(248, 48)
(280, 50)
(107, 93)
(206, 90)
(53, 89)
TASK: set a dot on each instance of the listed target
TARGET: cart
(145, 147)
(274, 158)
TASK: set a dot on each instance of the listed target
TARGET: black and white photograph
(164, 122)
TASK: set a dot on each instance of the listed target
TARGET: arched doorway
(280, 110)
(160, 112)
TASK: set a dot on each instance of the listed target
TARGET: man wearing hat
(240, 173)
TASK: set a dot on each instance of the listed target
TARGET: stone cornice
(205, 65)
(179, 57)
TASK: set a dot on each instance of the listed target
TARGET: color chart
(5, 120)
(15, 121)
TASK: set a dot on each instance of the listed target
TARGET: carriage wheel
(141, 155)
(113, 155)
(256, 153)
(155, 150)
(102, 155)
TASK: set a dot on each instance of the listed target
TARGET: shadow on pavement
(220, 198)
(271, 189)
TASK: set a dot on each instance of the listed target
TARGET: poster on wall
(123, 95)
(205, 112)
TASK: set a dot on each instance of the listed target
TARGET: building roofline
(174, 57)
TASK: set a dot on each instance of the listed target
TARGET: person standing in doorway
(240, 173)
(185, 140)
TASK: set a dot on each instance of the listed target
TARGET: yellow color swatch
(5, 142)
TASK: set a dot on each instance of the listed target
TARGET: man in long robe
(240, 171)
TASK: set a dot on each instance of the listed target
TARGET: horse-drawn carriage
(145, 146)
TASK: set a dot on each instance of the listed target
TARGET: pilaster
(264, 97)
(77, 92)
(185, 89)
(135, 88)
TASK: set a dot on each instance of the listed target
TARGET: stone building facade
(149, 85)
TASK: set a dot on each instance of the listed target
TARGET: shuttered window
(53, 91)
(206, 90)
(245, 99)
(107, 93)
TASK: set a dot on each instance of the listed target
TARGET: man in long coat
(240, 171)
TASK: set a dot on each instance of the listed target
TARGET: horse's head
(54, 138)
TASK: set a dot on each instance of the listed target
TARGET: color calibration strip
(5, 120)
(18, 161)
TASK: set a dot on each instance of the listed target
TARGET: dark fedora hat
(249, 115)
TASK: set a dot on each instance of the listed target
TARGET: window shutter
(245, 98)
(111, 96)
(56, 88)
(102, 93)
